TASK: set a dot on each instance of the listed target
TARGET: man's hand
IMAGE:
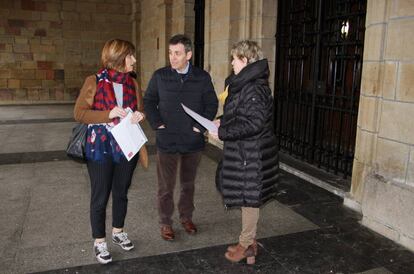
(213, 135)
(137, 117)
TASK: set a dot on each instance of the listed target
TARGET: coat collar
(252, 72)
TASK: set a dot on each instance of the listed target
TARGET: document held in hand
(130, 137)
(209, 125)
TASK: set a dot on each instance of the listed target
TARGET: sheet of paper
(130, 137)
(209, 125)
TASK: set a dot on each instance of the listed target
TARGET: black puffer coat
(250, 166)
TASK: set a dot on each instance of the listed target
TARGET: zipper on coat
(242, 152)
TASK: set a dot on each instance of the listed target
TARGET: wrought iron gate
(318, 76)
(199, 6)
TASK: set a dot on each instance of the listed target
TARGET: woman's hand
(214, 135)
(137, 117)
(117, 112)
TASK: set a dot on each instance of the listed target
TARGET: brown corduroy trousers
(167, 172)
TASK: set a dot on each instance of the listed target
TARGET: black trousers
(107, 176)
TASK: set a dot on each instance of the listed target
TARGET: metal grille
(318, 76)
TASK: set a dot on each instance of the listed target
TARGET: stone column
(383, 173)
(136, 37)
(164, 28)
(230, 21)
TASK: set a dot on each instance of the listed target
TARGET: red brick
(40, 32)
(40, 6)
(28, 5)
(13, 30)
(6, 94)
(33, 5)
(50, 74)
(44, 64)
(31, 24)
(56, 25)
(2, 46)
(15, 23)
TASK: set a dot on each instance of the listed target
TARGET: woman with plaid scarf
(101, 104)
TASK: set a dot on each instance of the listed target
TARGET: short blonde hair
(247, 49)
(114, 53)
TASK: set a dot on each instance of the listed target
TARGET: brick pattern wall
(48, 47)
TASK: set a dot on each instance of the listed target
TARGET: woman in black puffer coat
(249, 169)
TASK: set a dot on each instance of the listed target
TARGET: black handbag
(77, 143)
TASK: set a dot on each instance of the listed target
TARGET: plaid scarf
(99, 138)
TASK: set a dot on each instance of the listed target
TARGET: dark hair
(181, 39)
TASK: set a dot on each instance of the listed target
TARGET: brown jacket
(84, 113)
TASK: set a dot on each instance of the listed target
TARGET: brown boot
(241, 253)
(232, 248)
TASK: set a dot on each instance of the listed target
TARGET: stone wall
(383, 174)
(48, 47)
(160, 19)
(230, 21)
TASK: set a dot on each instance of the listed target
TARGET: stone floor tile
(401, 268)
(157, 264)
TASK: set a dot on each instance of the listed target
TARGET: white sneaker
(121, 239)
(101, 252)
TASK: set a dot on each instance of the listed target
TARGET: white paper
(209, 125)
(130, 137)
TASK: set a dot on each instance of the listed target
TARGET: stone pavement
(44, 216)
